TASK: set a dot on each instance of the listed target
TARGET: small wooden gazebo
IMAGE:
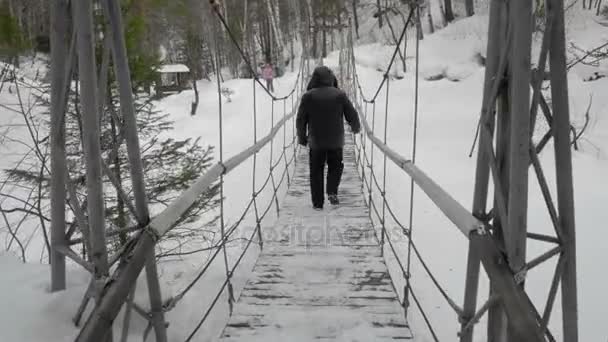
(173, 78)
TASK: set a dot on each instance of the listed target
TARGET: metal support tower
(512, 99)
(74, 39)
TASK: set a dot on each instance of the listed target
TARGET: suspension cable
(254, 194)
(414, 141)
(271, 166)
(244, 56)
(221, 158)
(373, 182)
(383, 193)
(253, 202)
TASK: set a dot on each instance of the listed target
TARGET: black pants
(318, 159)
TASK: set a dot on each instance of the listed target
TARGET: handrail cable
(270, 179)
(368, 162)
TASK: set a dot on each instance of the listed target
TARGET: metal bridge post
(271, 161)
(285, 141)
(371, 168)
(563, 166)
(382, 237)
(123, 76)
(83, 21)
(59, 50)
(510, 163)
(254, 172)
(93, 94)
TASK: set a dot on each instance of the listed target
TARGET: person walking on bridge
(268, 75)
(320, 126)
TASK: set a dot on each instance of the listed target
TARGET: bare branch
(13, 234)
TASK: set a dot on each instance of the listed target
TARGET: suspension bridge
(335, 286)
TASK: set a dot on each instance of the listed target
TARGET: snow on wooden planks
(321, 275)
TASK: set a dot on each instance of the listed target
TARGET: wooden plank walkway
(321, 275)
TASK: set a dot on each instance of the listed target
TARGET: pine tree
(12, 40)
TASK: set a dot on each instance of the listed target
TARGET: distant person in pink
(267, 75)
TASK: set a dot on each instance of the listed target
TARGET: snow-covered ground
(448, 117)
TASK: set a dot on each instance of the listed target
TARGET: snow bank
(30, 313)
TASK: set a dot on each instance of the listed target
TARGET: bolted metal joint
(150, 232)
(520, 276)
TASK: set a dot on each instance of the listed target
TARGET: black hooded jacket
(315, 80)
(320, 120)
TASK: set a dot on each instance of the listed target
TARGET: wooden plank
(321, 275)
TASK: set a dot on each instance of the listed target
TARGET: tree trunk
(299, 25)
(444, 21)
(355, 4)
(244, 28)
(196, 98)
(449, 13)
(469, 7)
(430, 18)
(419, 24)
(293, 56)
(379, 13)
(324, 37)
(253, 49)
(311, 24)
(315, 48)
(274, 22)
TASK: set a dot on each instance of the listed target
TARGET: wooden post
(563, 162)
(59, 49)
(123, 76)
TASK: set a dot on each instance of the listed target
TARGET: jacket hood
(322, 77)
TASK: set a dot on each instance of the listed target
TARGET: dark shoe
(333, 199)
(317, 208)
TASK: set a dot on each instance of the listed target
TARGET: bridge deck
(321, 275)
